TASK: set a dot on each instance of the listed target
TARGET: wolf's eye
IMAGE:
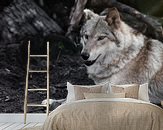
(101, 38)
(86, 36)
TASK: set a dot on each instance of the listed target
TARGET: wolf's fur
(124, 56)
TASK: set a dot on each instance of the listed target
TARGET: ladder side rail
(47, 111)
(26, 86)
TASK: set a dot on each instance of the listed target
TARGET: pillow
(80, 90)
(162, 103)
(130, 90)
(104, 95)
(143, 92)
(76, 92)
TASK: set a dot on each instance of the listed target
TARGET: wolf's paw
(53, 103)
(44, 102)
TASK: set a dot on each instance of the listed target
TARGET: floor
(17, 126)
(11, 121)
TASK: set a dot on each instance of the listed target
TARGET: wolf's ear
(88, 14)
(113, 18)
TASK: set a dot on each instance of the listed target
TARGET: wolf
(115, 52)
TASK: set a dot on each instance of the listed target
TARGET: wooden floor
(17, 126)
(15, 121)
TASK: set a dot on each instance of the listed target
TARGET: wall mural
(61, 22)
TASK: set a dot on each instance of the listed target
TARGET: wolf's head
(105, 35)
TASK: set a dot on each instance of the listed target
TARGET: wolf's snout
(85, 55)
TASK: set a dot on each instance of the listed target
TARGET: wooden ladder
(38, 89)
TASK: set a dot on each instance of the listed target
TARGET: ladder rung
(38, 55)
(37, 71)
(36, 105)
(37, 89)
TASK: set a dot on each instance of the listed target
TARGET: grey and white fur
(114, 52)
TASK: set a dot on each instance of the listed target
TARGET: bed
(106, 114)
(106, 107)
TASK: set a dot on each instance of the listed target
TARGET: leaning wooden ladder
(38, 89)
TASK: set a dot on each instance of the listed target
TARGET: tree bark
(22, 18)
(75, 16)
